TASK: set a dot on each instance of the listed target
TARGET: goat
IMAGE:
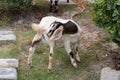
(54, 5)
(55, 2)
(51, 29)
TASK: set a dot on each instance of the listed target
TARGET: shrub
(107, 15)
(18, 4)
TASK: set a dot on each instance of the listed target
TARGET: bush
(107, 15)
(18, 4)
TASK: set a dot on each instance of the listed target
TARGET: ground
(93, 46)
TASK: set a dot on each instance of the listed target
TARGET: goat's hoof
(74, 64)
(56, 11)
(78, 60)
(49, 71)
(67, 1)
(30, 65)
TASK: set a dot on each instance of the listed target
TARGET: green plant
(18, 4)
(107, 15)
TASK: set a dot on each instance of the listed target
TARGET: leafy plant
(18, 4)
(107, 15)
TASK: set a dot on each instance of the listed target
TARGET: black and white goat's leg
(35, 40)
(51, 6)
(67, 1)
(51, 44)
(76, 52)
(70, 53)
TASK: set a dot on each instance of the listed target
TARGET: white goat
(51, 29)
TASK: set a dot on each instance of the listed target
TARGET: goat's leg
(35, 40)
(51, 44)
(67, 1)
(76, 52)
(70, 53)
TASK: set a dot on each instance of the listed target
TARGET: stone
(7, 36)
(110, 74)
(20, 22)
(9, 63)
(3, 32)
(92, 1)
(8, 74)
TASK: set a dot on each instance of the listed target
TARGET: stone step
(8, 74)
(4, 32)
(7, 36)
(9, 63)
(92, 1)
(110, 74)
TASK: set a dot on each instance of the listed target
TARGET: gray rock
(92, 1)
(9, 63)
(109, 74)
(8, 74)
(7, 36)
(4, 32)
(20, 22)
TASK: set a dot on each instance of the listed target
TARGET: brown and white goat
(51, 29)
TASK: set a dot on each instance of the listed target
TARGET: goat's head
(56, 31)
(54, 6)
(54, 2)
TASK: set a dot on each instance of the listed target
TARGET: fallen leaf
(98, 37)
(30, 41)
(89, 45)
(82, 37)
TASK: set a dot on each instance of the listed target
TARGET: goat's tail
(36, 28)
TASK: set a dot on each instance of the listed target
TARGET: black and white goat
(54, 5)
(51, 29)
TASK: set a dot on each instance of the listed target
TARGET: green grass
(61, 71)
(42, 3)
(2, 24)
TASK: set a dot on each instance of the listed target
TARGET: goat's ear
(57, 34)
(36, 28)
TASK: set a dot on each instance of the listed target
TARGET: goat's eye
(51, 1)
(56, 2)
(50, 31)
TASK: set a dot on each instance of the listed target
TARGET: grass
(42, 3)
(62, 68)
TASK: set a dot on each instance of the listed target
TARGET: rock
(9, 63)
(113, 45)
(110, 74)
(20, 22)
(7, 36)
(8, 74)
(92, 1)
(3, 32)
